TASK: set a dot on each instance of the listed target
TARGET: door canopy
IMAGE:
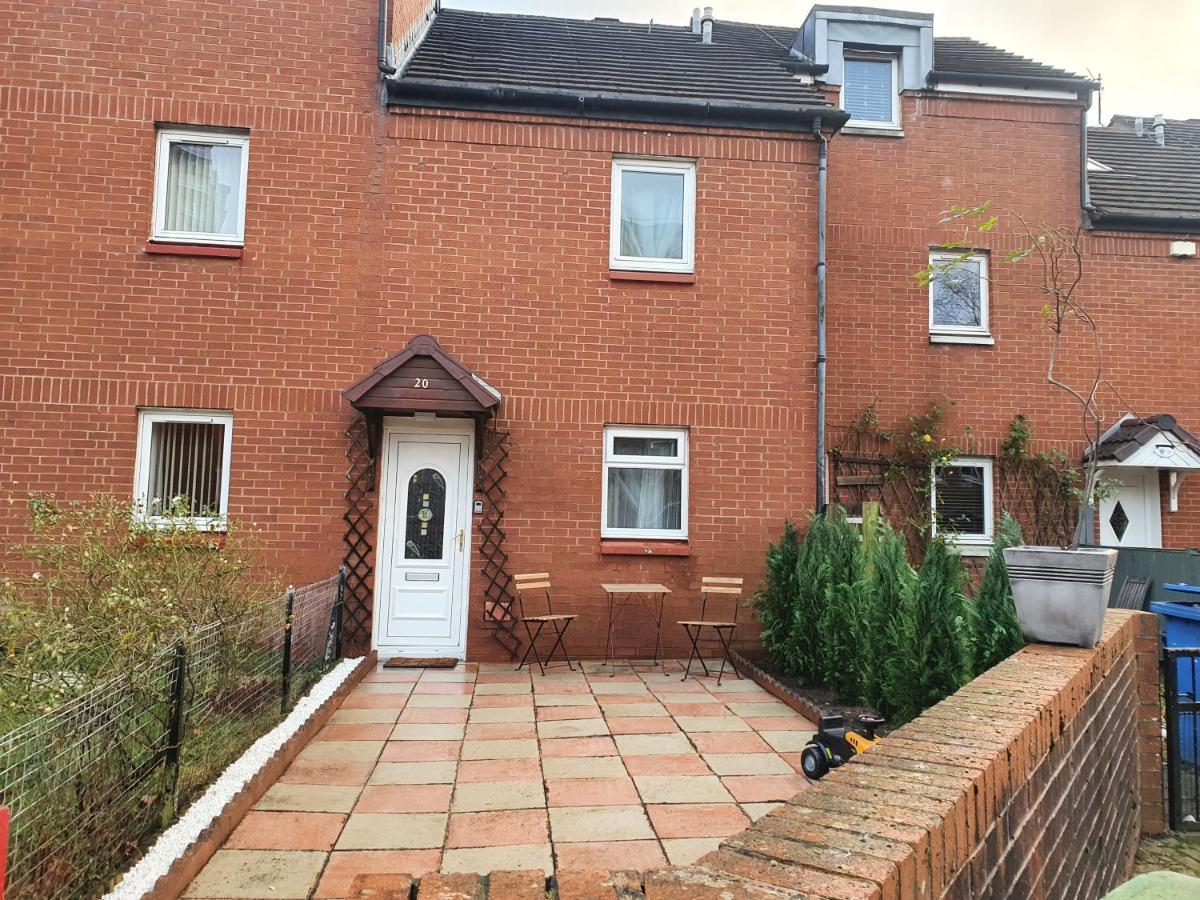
(422, 378)
(1156, 442)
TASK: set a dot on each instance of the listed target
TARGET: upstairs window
(962, 501)
(182, 475)
(645, 483)
(200, 187)
(958, 297)
(653, 225)
(870, 89)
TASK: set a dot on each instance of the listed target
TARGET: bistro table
(619, 596)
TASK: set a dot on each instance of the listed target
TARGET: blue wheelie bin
(1181, 628)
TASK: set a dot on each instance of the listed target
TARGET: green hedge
(842, 607)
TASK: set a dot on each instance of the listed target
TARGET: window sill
(964, 548)
(662, 277)
(622, 547)
(873, 131)
(160, 247)
(985, 340)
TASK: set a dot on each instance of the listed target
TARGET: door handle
(461, 538)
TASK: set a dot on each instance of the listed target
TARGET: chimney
(696, 20)
(706, 26)
(1139, 126)
(1160, 130)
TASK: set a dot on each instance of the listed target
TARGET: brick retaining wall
(1034, 781)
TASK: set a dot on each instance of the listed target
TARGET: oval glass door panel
(425, 522)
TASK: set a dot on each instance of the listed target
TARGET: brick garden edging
(1037, 779)
(776, 688)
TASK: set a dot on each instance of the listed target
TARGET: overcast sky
(1144, 51)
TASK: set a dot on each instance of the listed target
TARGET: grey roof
(1133, 434)
(1147, 181)
(967, 56)
(1176, 131)
(743, 63)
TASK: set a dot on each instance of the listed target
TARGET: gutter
(1045, 82)
(822, 215)
(612, 106)
(1147, 222)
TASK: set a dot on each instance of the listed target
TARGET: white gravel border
(179, 838)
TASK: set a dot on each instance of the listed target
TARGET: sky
(1143, 51)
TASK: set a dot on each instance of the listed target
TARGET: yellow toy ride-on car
(834, 744)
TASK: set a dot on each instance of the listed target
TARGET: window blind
(186, 462)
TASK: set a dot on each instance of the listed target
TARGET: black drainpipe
(1085, 194)
(385, 68)
(822, 179)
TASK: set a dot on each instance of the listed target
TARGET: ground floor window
(182, 470)
(645, 482)
(962, 501)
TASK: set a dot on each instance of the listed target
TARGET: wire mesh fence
(89, 783)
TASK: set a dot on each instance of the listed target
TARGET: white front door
(424, 538)
(1131, 516)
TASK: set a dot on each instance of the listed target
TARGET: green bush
(777, 599)
(997, 631)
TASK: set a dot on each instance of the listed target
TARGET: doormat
(416, 662)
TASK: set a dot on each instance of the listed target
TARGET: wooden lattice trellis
(498, 598)
(359, 563)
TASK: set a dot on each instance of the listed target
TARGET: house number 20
(420, 382)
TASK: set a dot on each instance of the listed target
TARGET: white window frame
(962, 334)
(687, 265)
(679, 462)
(874, 56)
(141, 488)
(169, 136)
(969, 544)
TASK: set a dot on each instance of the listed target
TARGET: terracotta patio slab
(503, 701)
(693, 820)
(345, 865)
(498, 828)
(416, 716)
(352, 732)
(558, 713)
(405, 798)
(634, 855)
(501, 731)
(262, 830)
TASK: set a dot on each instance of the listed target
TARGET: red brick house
(469, 295)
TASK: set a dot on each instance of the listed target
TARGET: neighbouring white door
(1131, 516)
(421, 580)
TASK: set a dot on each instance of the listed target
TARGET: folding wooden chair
(724, 628)
(527, 585)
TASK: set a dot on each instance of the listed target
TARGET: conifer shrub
(776, 600)
(997, 633)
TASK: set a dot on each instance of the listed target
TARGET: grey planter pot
(1061, 595)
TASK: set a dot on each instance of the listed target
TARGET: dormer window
(870, 89)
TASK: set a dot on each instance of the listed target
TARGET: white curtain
(203, 183)
(652, 215)
(644, 498)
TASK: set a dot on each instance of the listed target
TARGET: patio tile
(664, 687)
(787, 741)
(514, 714)
(261, 830)
(572, 728)
(591, 792)
(444, 688)
(341, 751)
(756, 811)
(728, 685)
(503, 701)
(511, 687)
(384, 687)
(762, 710)
(652, 744)
(618, 685)
(507, 676)
(560, 684)
(779, 723)
(309, 798)
(638, 710)
(449, 675)
(586, 746)
(558, 713)
(700, 696)
(685, 851)
(667, 764)
(327, 773)
(439, 701)
(642, 725)
(527, 749)
(607, 700)
(414, 716)
(416, 732)
(345, 716)
(486, 770)
(482, 796)
(393, 831)
(764, 788)
(681, 789)
(693, 820)
(747, 764)
(592, 856)
(795, 760)
(747, 696)
(579, 699)
(384, 675)
(600, 823)
(405, 798)
(583, 767)
(350, 732)
(501, 731)
(376, 701)
(497, 829)
(437, 772)
(726, 742)
(345, 865)
(490, 859)
(696, 710)
(711, 724)
(235, 874)
(420, 751)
